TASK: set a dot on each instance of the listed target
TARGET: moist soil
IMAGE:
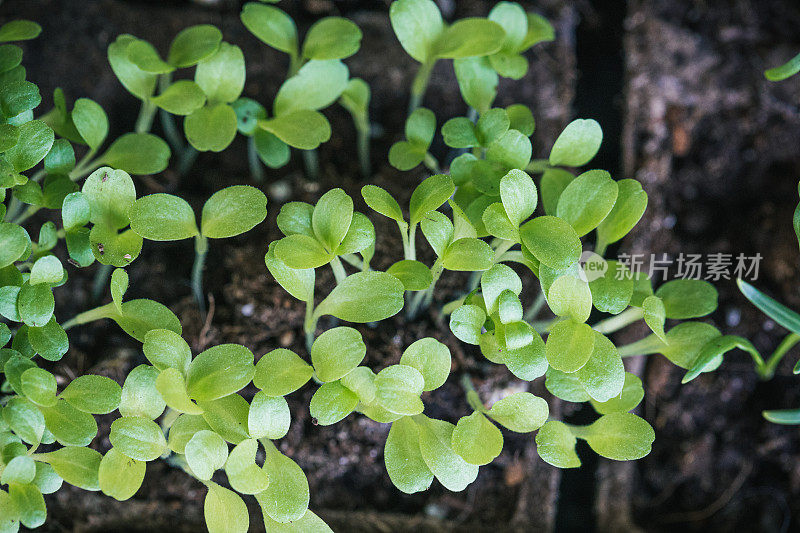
(685, 111)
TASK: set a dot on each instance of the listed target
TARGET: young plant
(316, 79)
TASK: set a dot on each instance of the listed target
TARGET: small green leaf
(297, 282)
(29, 503)
(429, 195)
(512, 150)
(603, 375)
(119, 286)
(305, 129)
(362, 382)
(14, 242)
(469, 37)
(139, 394)
(219, 371)
(193, 44)
(47, 270)
(477, 81)
(577, 144)
(281, 372)
(783, 416)
(555, 444)
(140, 316)
(398, 389)
(331, 403)
(172, 387)
(687, 298)
(137, 438)
(552, 241)
(206, 452)
(137, 153)
(587, 200)
(331, 218)
(570, 297)
(382, 202)
(620, 436)
(466, 323)
(286, 498)
(221, 76)
(19, 470)
(435, 438)
(336, 352)
(553, 183)
(268, 417)
(211, 128)
(569, 345)
(233, 211)
(301, 252)
(628, 210)
(332, 38)
(655, 316)
(418, 25)
(780, 73)
(477, 440)
(34, 142)
(35, 304)
(244, 475)
(364, 297)
(519, 196)
(403, 458)
(521, 412)
(225, 511)
(76, 465)
(183, 429)
(468, 254)
(227, 416)
(19, 30)
(120, 476)
(272, 26)
(183, 97)
(68, 425)
(631, 396)
(39, 386)
(91, 122)
(144, 56)
(431, 358)
(93, 394)
(162, 217)
(414, 275)
(315, 86)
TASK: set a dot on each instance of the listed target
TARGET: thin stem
(187, 159)
(200, 252)
(473, 398)
(537, 166)
(353, 260)
(534, 309)
(362, 134)
(309, 325)
(423, 299)
(412, 243)
(616, 323)
(420, 85)
(649, 345)
(32, 209)
(103, 311)
(600, 247)
(767, 371)
(544, 326)
(338, 270)
(406, 245)
(100, 282)
(256, 168)
(311, 163)
(502, 247)
(431, 163)
(144, 122)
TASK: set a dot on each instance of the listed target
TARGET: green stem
(32, 209)
(544, 326)
(103, 311)
(616, 323)
(649, 345)
(502, 247)
(200, 252)
(310, 324)
(767, 371)
(311, 163)
(187, 159)
(423, 299)
(537, 166)
(100, 282)
(338, 270)
(420, 85)
(144, 122)
(295, 63)
(534, 309)
(473, 398)
(600, 247)
(579, 431)
(431, 163)
(353, 260)
(412, 243)
(256, 168)
(362, 134)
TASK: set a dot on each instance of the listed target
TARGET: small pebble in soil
(733, 317)
(435, 511)
(768, 325)
(247, 310)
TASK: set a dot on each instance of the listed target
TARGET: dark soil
(685, 111)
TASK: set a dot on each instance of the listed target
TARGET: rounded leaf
(336, 352)
(233, 211)
(219, 371)
(137, 438)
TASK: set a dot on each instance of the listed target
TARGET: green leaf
(91, 122)
(183, 429)
(14, 242)
(519, 196)
(362, 382)
(29, 503)
(336, 352)
(381, 201)
(398, 388)
(429, 195)
(552, 241)
(93, 394)
(521, 412)
(272, 26)
(631, 396)
(710, 355)
(628, 210)
(248, 113)
(468, 254)
(219, 371)
(331, 218)
(331, 403)
(477, 440)
(687, 298)
(225, 511)
(227, 416)
(286, 498)
(418, 25)
(182, 97)
(118, 286)
(35, 140)
(120, 476)
(137, 153)
(603, 375)
(76, 465)
(309, 522)
(206, 452)
(162, 217)
(332, 38)
(144, 56)
(435, 438)
(315, 86)
(577, 144)
(301, 252)
(620, 436)
(110, 194)
(268, 417)
(569, 345)
(46, 479)
(414, 275)
(783, 416)
(364, 297)
(244, 475)
(587, 200)
(567, 387)
(431, 358)
(75, 212)
(166, 349)
(140, 316)
(193, 44)
(466, 323)
(773, 309)
(272, 151)
(39, 386)
(788, 69)
(469, 37)
(355, 98)
(297, 282)
(172, 387)
(459, 132)
(233, 211)
(137, 438)
(35, 304)
(655, 316)
(221, 76)
(295, 218)
(305, 129)
(403, 458)
(211, 128)
(68, 425)
(553, 183)
(570, 297)
(612, 291)
(685, 342)
(555, 444)
(19, 30)
(139, 394)
(19, 470)
(46, 270)
(18, 97)
(438, 230)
